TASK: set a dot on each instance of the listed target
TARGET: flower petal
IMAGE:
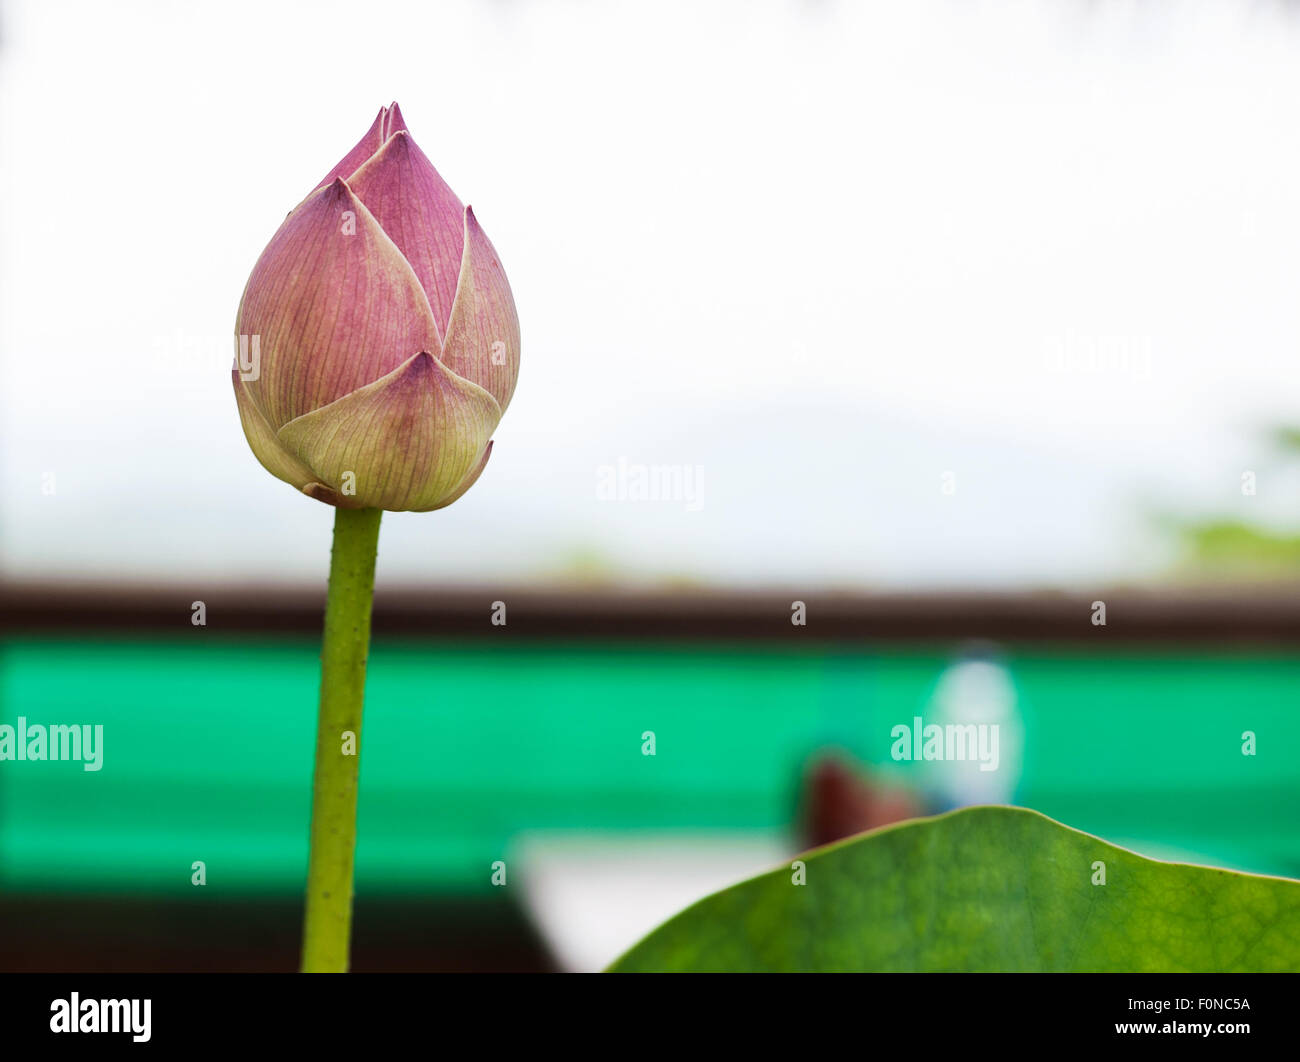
(468, 481)
(482, 341)
(366, 146)
(393, 120)
(409, 439)
(263, 442)
(335, 305)
(419, 212)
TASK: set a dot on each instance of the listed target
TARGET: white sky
(827, 252)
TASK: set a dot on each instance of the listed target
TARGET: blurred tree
(1230, 547)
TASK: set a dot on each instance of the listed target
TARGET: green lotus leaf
(983, 889)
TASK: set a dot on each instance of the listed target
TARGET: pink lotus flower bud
(377, 336)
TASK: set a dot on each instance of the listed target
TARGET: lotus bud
(377, 341)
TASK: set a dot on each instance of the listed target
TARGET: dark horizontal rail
(1204, 617)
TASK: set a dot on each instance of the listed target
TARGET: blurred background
(949, 320)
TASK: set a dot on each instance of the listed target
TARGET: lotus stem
(327, 925)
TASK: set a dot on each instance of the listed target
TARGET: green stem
(327, 926)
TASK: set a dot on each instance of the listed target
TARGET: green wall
(208, 742)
